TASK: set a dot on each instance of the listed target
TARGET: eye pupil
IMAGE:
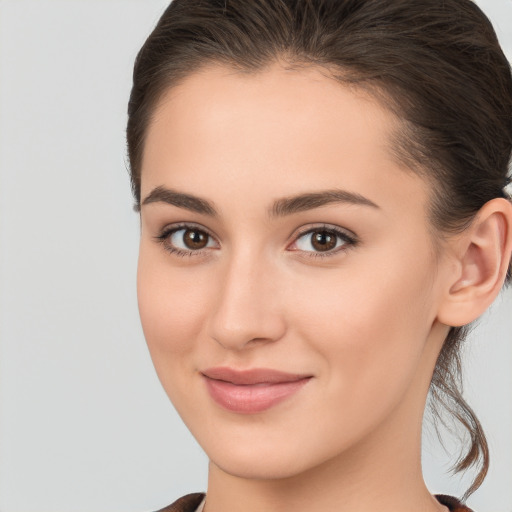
(323, 240)
(195, 239)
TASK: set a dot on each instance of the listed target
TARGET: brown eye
(187, 240)
(195, 239)
(328, 241)
(323, 240)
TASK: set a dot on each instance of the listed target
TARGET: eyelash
(163, 238)
(348, 239)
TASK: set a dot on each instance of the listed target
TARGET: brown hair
(436, 64)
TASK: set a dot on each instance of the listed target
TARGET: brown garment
(187, 503)
(452, 503)
(190, 502)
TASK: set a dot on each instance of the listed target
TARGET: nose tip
(237, 339)
(241, 335)
(246, 312)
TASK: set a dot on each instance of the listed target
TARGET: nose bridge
(247, 304)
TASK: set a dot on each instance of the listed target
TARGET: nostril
(247, 335)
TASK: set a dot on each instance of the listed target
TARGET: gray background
(84, 424)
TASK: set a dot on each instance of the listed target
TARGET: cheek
(370, 326)
(172, 308)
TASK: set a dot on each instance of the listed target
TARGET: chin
(260, 467)
(266, 456)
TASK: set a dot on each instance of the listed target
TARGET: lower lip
(252, 398)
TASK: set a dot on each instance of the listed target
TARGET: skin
(363, 320)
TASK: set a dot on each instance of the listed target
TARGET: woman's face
(288, 283)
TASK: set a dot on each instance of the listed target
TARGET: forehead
(278, 132)
(217, 97)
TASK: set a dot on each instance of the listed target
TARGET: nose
(247, 309)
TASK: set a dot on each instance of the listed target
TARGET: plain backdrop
(84, 423)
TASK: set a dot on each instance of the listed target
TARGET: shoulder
(188, 503)
(452, 503)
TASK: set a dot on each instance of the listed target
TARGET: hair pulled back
(436, 64)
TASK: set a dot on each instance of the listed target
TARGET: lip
(251, 391)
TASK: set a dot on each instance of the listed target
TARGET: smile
(251, 391)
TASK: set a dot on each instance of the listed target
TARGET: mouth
(251, 391)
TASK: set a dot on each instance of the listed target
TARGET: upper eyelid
(297, 231)
(170, 228)
(327, 227)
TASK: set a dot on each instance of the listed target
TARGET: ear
(482, 255)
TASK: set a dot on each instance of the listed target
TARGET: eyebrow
(309, 201)
(181, 200)
(280, 208)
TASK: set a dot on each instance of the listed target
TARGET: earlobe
(483, 258)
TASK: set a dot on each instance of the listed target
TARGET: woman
(322, 190)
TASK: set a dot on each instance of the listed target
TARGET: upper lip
(252, 376)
